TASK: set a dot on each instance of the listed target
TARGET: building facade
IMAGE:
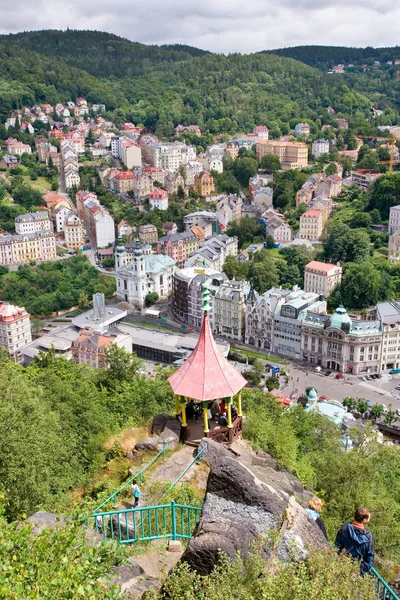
(340, 343)
(204, 184)
(158, 198)
(388, 314)
(142, 273)
(288, 320)
(19, 249)
(33, 222)
(293, 155)
(321, 278)
(178, 246)
(73, 232)
(15, 329)
(311, 225)
(320, 147)
(90, 347)
(394, 219)
(230, 309)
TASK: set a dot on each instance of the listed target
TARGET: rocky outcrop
(240, 509)
(164, 428)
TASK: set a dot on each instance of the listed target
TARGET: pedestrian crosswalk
(377, 389)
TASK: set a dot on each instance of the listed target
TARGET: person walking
(314, 510)
(135, 491)
(357, 541)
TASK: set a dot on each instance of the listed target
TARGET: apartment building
(364, 177)
(91, 346)
(388, 314)
(33, 222)
(301, 129)
(394, 247)
(321, 278)
(340, 343)
(213, 252)
(148, 234)
(187, 293)
(311, 225)
(288, 321)
(19, 249)
(230, 309)
(124, 182)
(15, 329)
(293, 155)
(204, 184)
(130, 153)
(260, 314)
(73, 232)
(158, 198)
(320, 147)
(229, 209)
(178, 246)
(394, 219)
(199, 218)
(276, 226)
(97, 219)
(17, 148)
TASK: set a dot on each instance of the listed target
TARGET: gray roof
(32, 216)
(175, 237)
(389, 312)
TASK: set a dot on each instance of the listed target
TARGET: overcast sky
(216, 25)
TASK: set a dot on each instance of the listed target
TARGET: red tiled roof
(207, 374)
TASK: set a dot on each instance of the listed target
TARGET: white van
(318, 369)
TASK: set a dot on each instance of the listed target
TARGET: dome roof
(340, 317)
(138, 249)
(312, 395)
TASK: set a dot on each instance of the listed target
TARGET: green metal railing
(383, 591)
(138, 475)
(196, 459)
(148, 523)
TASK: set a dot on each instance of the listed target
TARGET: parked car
(327, 373)
(384, 408)
(318, 369)
(397, 387)
(378, 375)
(394, 371)
(338, 376)
(369, 403)
(362, 378)
(61, 254)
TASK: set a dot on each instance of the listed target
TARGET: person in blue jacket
(357, 541)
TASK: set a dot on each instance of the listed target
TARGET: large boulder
(42, 520)
(240, 509)
(159, 422)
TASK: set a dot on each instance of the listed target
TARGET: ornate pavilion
(206, 376)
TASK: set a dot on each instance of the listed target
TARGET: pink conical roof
(207, 374)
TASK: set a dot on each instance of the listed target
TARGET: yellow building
(311, 225)
(73, 232)
(293, 155)
(16, 249)
(204, 184)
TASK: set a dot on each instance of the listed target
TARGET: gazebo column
(184, 422)
(205, 417)
(239, 400)
(229, 410)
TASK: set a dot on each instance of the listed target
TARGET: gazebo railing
(227, 435)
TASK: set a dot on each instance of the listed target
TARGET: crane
(392, 146)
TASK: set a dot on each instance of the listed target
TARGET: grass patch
(264, 356)
(149, 326)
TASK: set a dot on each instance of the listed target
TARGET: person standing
(357, 541)
(135, 491)
(314, 510)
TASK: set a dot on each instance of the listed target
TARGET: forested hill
(325, 57)
(99, 53)
(161, 86)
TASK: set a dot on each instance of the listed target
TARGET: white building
(260, 314)
(130, 153)
(321, 278)
(15, 329)
(158, 198)
(288, 320)
(61, 212)
(96, 218)
(394, 219)
(115, 146)
(32, 223)
(388, 314)
(214, 252)
(142, 274)
(320, 147)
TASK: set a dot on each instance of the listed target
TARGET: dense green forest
(163, 86)
(325, 57)
(53, 286)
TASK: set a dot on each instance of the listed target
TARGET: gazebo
(206, 376)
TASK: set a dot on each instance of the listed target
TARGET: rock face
(164, 427)
(240, 509)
